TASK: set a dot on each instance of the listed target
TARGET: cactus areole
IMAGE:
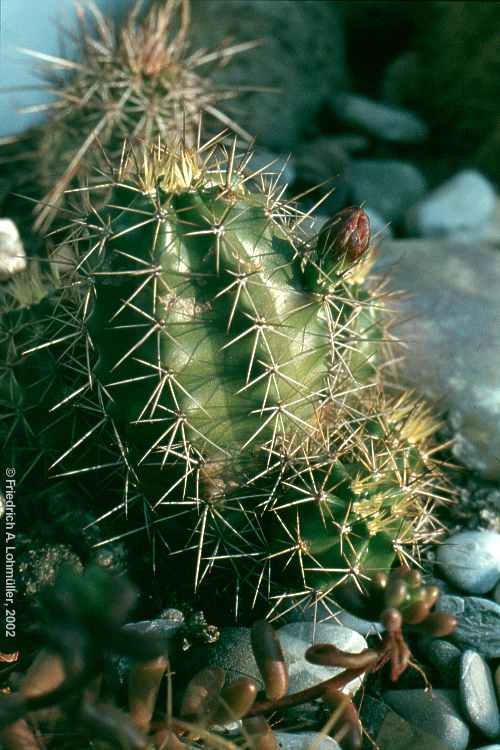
(234, 362)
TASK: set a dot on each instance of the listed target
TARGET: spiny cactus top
(229, 365)
(134, 79)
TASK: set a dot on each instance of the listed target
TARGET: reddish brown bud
(330, 656)
(143, 686)
(202, 694)
(346, 235)
(401, 571)
(395, 593)
(235, 700)
(438, 624)
(259, 734)
(415, 613)
(413, 578)
(431, 594)
(270, 659)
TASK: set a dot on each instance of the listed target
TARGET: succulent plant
(225, 368)
(137, 79)
(83, 625)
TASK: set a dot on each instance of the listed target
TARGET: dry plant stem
(144, 683)
(270, 659)
(19, 736)
(65, 691)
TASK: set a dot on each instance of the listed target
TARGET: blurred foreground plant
(84, 618)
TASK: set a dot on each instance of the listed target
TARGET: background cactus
(136, 80)
(223, 371)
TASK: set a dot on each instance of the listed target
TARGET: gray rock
(172, 615)
(470, 560)
(464, 204)
(489, 747)
(387, 186)
(301, 57)
(437, 713)
(166, 628)
(478, 625)
(364, 627)
(328, 613)
(401, 83)
(351, 143)
(497, 681)
(383, 121)
(12, 255)
(478, 694)
(446, 657)
(395, 733)
(451, 322)
(305, 741)
(372, 713)
(232, 652)
(296, 637)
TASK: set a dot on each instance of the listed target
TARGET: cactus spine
(230, 368)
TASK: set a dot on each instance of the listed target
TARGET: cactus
(228, 370)
(138, 80)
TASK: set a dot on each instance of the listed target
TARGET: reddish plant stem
(303, 696)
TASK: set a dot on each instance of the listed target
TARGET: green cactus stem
(233, 365)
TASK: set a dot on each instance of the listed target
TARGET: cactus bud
(395, 593)
(236, 699)
(270, 659)
(330, 656)
(438, 625)
(346, 235)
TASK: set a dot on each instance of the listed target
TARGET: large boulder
(450, 321)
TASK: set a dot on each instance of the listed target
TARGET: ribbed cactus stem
(232, 364)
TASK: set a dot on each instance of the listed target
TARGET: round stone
(381, 120)
(478, 623)
(304, 741)
(388, 186)
(12, 254)
(478, 694)
(437, 713)
(464, 204)
(296, 637)
(232, 652)
(470, 560)
(446, 657)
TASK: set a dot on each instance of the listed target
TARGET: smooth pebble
(470, 560)
(437, 713)
(478, 694)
